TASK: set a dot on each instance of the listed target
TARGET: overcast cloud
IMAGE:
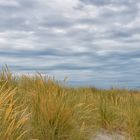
(92, 42)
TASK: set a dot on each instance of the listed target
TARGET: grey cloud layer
(94, 42)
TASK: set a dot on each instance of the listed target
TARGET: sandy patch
(106, 136)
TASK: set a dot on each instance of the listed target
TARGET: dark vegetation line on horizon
(70, 83)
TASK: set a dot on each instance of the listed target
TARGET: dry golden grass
(13, 116)
(37, 107)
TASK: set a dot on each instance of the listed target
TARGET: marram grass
(40, 108)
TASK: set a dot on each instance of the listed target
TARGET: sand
(106, 136)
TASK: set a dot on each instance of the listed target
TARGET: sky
(92, 42)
